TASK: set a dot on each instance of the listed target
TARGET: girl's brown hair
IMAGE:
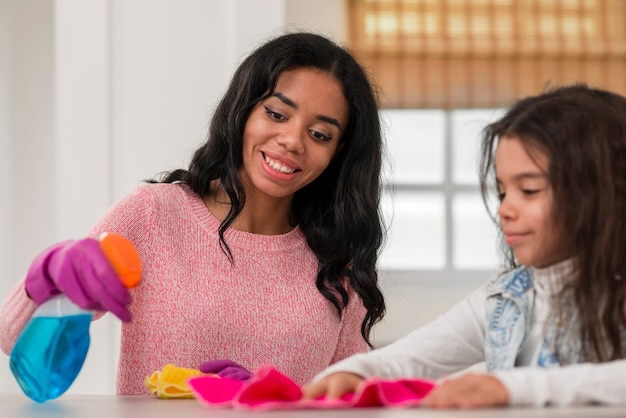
(583, 132)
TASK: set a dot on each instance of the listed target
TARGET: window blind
(451, 54)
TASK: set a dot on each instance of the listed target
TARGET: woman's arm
(350, 340)
(125, 217)
(16, 311)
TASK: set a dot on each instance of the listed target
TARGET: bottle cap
(123, 256)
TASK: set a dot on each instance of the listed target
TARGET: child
(551, 330)
(264, 249)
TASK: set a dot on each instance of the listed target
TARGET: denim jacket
(510, 301)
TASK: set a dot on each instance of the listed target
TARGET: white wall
(98, 95)
(5, 147)
(323, 16)
(26, 94)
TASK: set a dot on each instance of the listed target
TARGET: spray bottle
(51, 350)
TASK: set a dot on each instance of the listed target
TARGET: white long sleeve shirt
(455, 341)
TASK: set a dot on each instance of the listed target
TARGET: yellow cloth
(171, 382)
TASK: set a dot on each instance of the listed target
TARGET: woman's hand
(81, 271)
(226, 368)
(333, 386)
(468, 391)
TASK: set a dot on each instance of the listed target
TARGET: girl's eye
(501, 196)
(274, 115)
(320, 136)
(529, 192)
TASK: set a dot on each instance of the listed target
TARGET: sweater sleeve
(129, 216)
(450, 343)
(126, 217)
(572, 385)
(16, 311)
(350, 339)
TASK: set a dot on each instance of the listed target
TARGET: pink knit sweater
(193, 305)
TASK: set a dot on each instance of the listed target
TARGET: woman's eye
(320, 136)
(501, 196)
(274, 115)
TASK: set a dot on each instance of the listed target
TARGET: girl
(551, 330)
(264, 249)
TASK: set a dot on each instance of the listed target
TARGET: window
(446, 68)
(438, 224)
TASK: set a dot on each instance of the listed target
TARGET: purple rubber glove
(226, 368)
(81, 271)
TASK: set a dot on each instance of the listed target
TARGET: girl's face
(526, 202)
(291, 137)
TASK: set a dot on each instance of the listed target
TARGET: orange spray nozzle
(123, 256)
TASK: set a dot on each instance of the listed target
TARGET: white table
(104, 406)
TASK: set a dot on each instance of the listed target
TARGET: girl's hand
(468, 391)
(333, 386)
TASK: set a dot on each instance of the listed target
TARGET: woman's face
(291, 137)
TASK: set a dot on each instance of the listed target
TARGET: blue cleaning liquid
(49, 354)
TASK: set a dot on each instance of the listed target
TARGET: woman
(264, 249)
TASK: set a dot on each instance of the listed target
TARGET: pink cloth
(269, 389)
(194, 305)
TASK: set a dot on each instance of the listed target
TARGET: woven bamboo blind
(486, 53)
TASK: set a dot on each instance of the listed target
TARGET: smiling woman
(264, 249)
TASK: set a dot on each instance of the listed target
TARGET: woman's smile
(279, 164)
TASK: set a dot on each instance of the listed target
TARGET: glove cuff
(39, 285)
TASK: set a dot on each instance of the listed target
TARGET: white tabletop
(103, 406)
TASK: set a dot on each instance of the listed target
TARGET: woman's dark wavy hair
(339, 211)
(583, 133)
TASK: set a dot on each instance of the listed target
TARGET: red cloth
(269, 389)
